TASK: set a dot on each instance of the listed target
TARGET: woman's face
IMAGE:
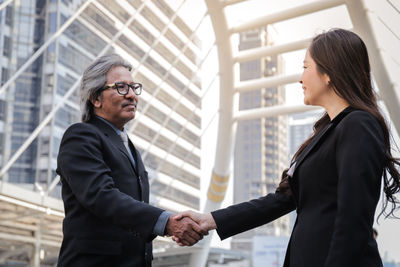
(314, 83)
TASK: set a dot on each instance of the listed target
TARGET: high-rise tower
(261, 144)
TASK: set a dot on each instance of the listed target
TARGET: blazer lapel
(114, 138)
(310, 146)
(137, 157)
(141, 173)
(321, 134)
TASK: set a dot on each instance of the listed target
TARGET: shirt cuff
(159, 227)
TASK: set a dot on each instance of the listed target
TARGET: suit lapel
(137, 157)
(114, 138)
(311, 145)
(141, 173)
(320, 135)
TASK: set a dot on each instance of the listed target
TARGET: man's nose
(131, 94)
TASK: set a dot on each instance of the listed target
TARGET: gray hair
(94, 79)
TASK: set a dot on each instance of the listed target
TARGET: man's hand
(185, 229)
(205, 221)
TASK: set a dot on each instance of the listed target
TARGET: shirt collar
(118, 131)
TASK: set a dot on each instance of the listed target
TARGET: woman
(335, 177)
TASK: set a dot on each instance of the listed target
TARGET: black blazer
(108, 221)
(336, 187)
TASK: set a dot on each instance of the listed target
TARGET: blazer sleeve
(81, 165)
(360, 154)
(248, 215)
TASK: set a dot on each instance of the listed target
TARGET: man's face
(110, 105)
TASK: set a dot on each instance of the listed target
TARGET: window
(4, 75)
(56, 146)
(84, 37)
(9, 15)
(73, 59)
(65, 117)
(64, 83)
(7, 46)
(1, 142)
(169, 192)
(3, 107)
(153, 162)
(44, 148)
(172, 125)
(166, 144)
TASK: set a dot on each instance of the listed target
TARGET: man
(105, 189)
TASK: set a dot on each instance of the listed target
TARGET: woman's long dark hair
(343, 56)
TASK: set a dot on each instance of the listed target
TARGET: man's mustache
(129, 103)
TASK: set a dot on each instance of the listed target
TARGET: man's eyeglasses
(123, 87)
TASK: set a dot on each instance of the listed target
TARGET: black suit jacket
(336, 187)
(108, 221)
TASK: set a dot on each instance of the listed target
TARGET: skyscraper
(19, 105)
(261, 145)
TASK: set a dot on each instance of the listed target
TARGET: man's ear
(97, 101)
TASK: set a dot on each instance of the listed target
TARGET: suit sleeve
(248, 215)
(359, 158)
(81, 165)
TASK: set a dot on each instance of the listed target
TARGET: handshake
(188, 227)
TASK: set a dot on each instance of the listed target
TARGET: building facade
(165, 60)
(19, 105)
(261, 144)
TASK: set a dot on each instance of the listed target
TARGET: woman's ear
(327, 80)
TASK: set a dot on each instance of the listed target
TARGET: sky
(293, 29)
